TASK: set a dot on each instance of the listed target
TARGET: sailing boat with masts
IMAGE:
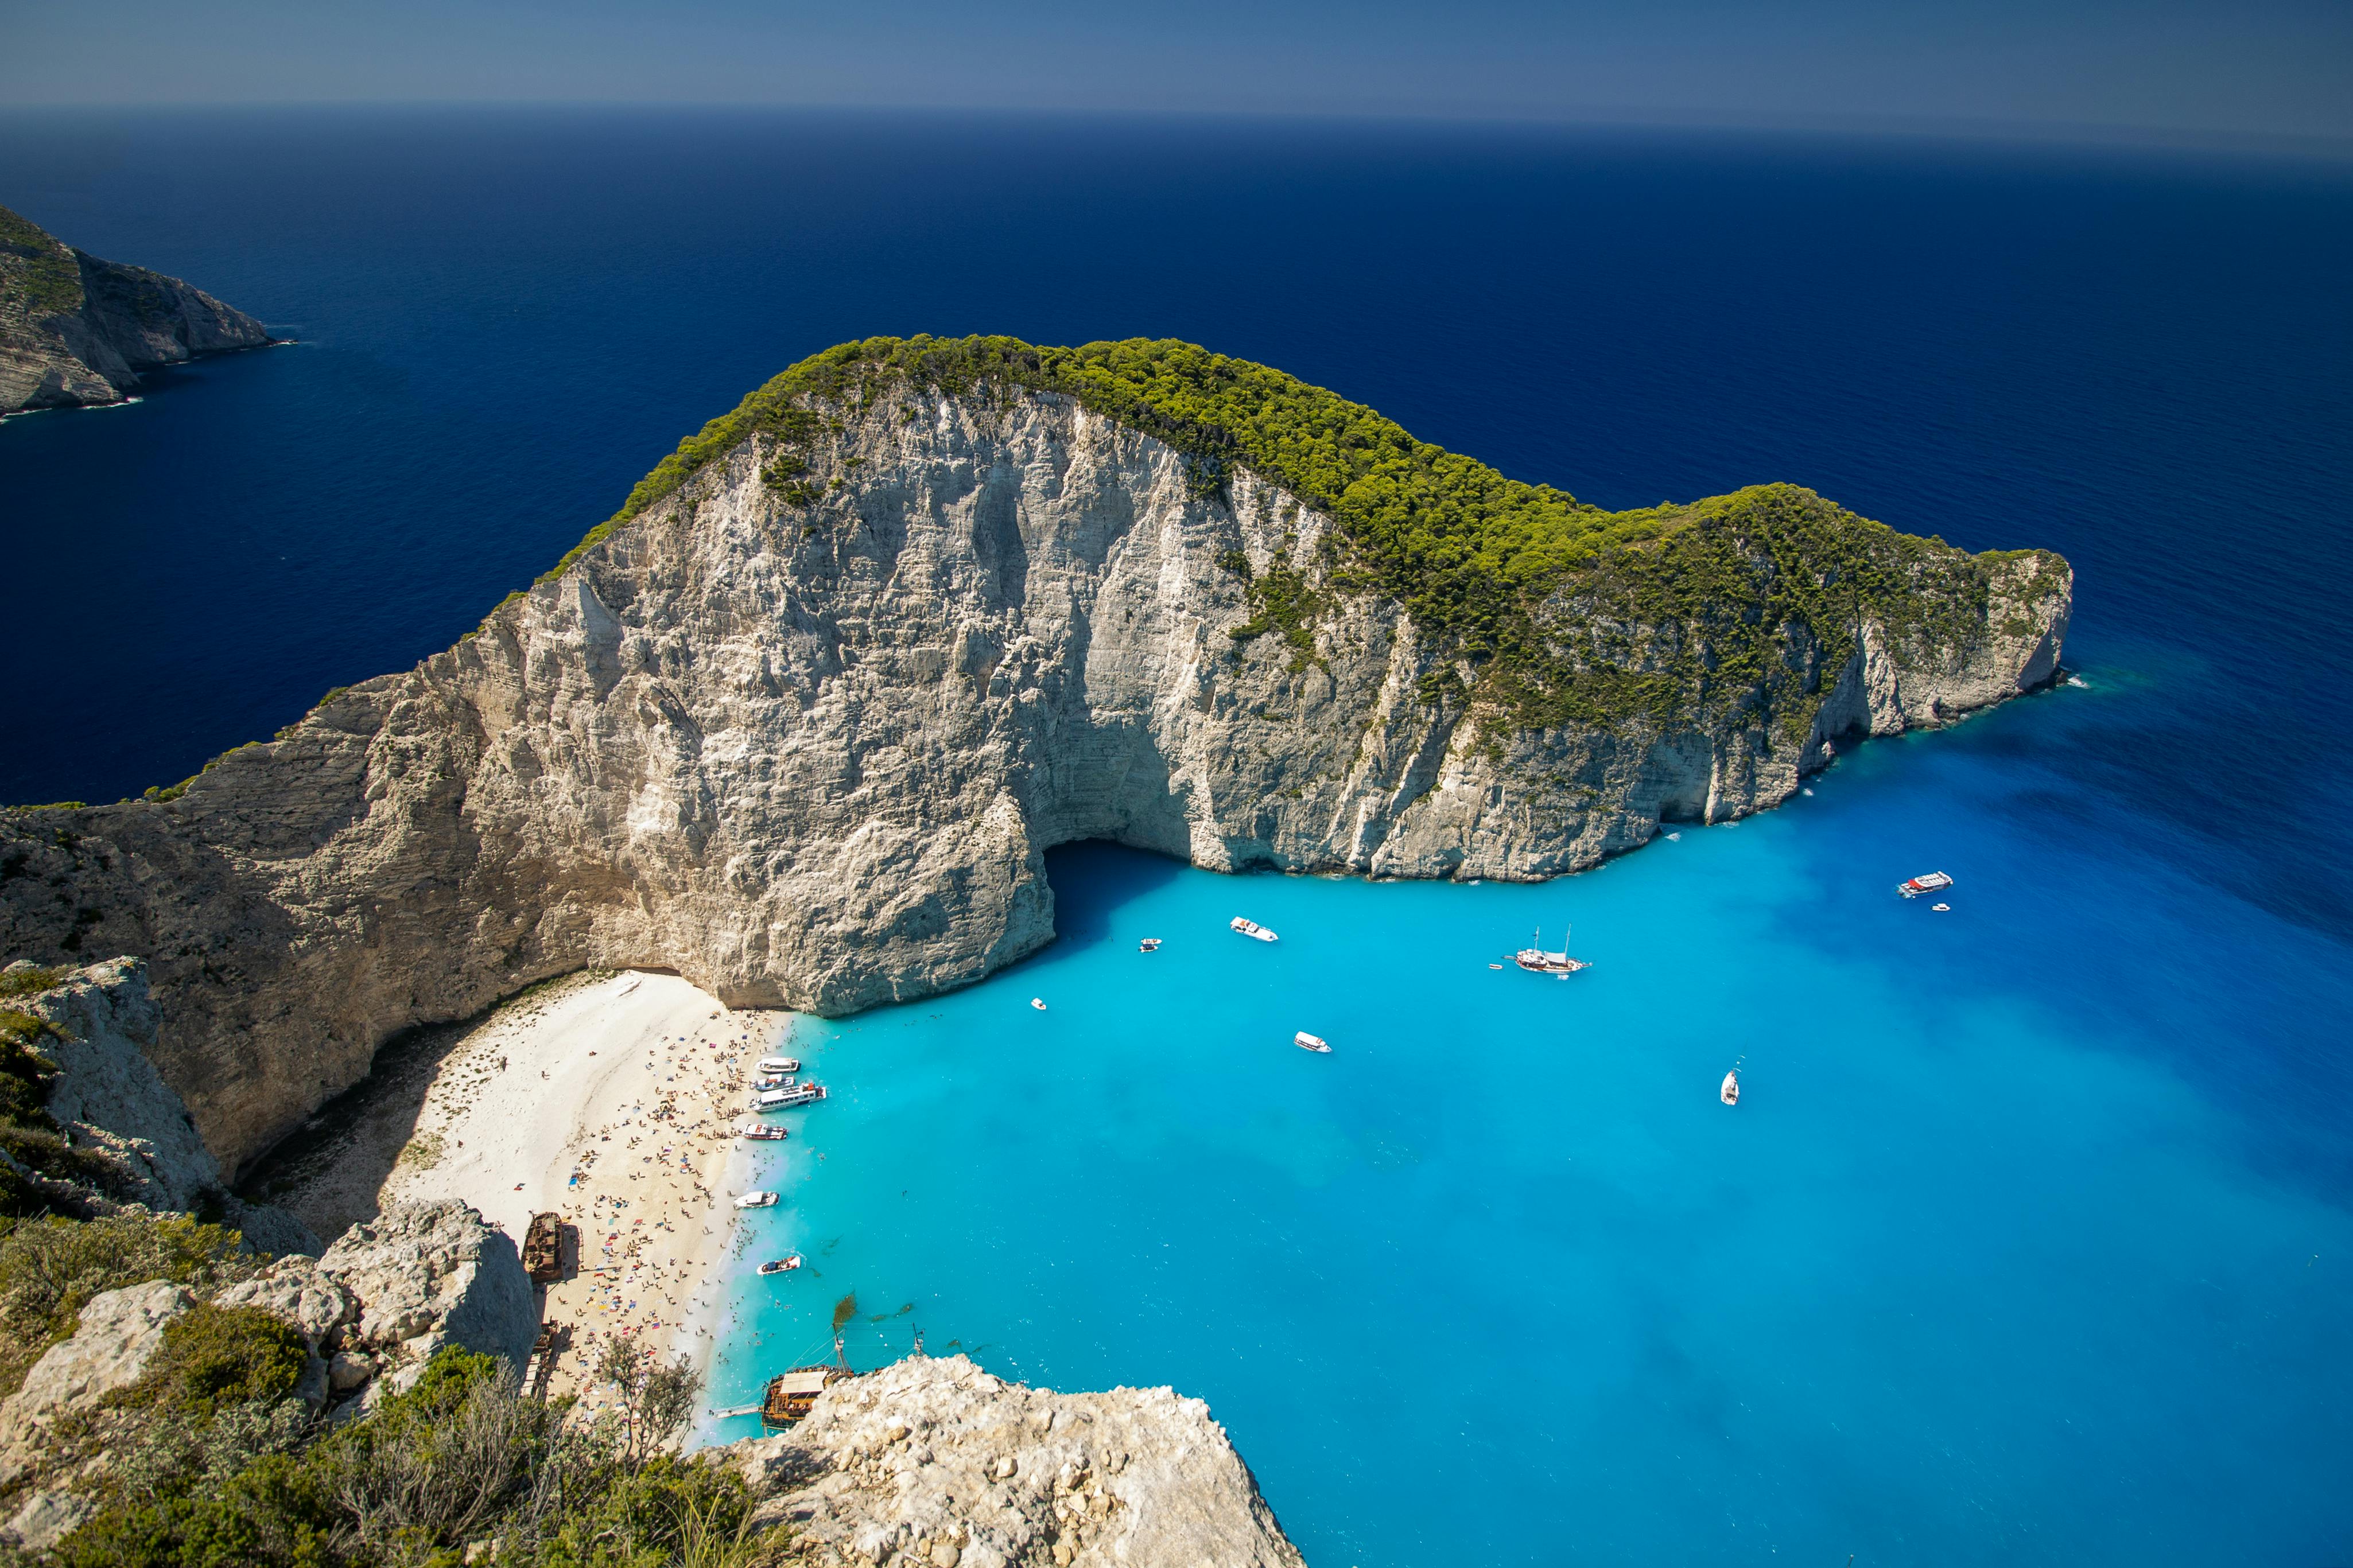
(1537, 961)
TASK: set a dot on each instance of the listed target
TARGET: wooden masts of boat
(791, 1395)
(1537, 961)
(542, 1248)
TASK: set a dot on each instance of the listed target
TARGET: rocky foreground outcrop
(78, 331)
(430, 1274)
(802, 730)
(370, 1312)
(937, 1463)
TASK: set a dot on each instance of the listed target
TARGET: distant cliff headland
(799, 721)
(78, 331)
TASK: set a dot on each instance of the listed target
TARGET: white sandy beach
(612, 1099)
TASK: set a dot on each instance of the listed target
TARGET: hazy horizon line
(2088, 134)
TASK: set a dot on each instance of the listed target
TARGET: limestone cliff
(938, 1463)
(128, 1134)
(801, 728)
(76, 330)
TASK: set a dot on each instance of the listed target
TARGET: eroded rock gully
(809, 754)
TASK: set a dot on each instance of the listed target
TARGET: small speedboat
(778, 1064)
(759, 1134)
(1942, 908)
(1730, 1092)
(1933, 882)
(1250, 929)
(1038, 1002)
(1307, 1041)
(775, 1080)
(781, 1265)
(1149, 944)
(756, 1201)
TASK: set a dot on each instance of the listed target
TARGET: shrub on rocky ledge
(50, 1269)
(463, 1466)
(215, 1357)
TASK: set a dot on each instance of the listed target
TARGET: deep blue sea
(2029, 1242)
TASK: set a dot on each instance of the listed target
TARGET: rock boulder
(430, 1274)
(120, 1332)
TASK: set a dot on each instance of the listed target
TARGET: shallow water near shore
(2029, 1241)
(1998, 1259)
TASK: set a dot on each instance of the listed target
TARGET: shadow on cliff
(329, 1170)
(1091, 879)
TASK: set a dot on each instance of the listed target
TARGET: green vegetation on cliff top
(38, 274)
(1562, 611)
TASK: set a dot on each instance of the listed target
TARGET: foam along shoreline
(613, 1100)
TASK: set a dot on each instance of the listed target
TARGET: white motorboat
(785, 1265)
(776, 1081)
(1038, 1002)
(1933, 882)
(778, 1064)
(1307, 1041)
(1251, 929)
(1537, 961)
(785, 1098)
(756, 1201)
(1730, 1092)
(759, 1134)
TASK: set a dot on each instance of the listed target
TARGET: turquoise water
(1975, 1272)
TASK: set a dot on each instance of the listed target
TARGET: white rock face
(115, 1105)
(299, 1290)
(937, 1462)
(47, 1518)
(119, 1333)
(809, 755)
(426, 1275)
(110, 1094)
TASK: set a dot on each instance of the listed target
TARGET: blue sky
(2255, 68)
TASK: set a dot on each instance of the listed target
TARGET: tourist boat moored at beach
(792, 1396)
(774, 1081)
(1730, 1092)
(778, 1064)
(1537, 961)
(759, 1134)
(1307, 1041)
(785, 1265)
(785, 1098)
(1933, 882)
(1250, 929)
(756, 1201)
